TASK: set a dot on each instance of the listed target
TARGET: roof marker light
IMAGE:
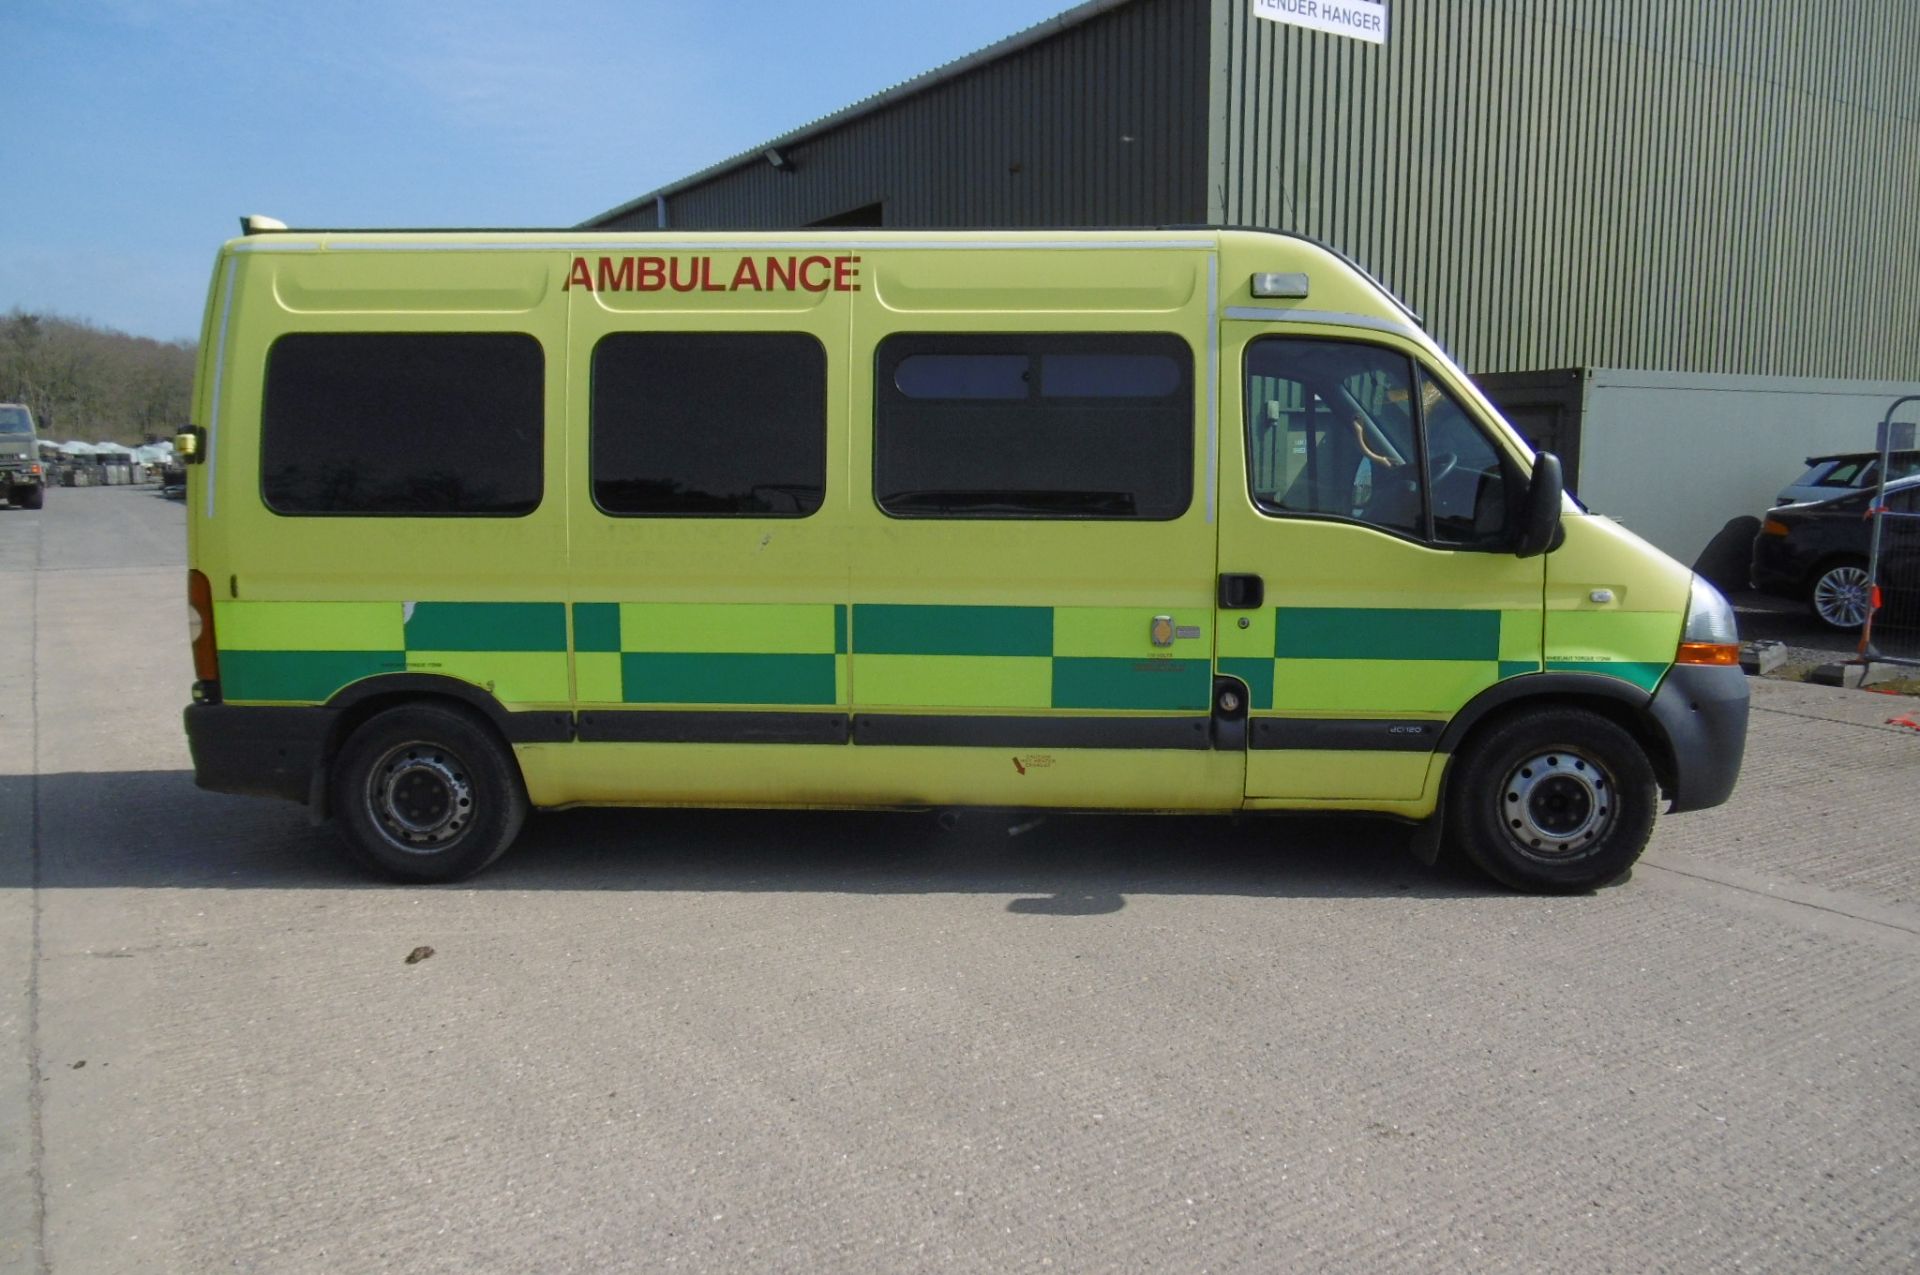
(1280, 285)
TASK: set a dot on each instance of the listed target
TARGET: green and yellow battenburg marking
(682, 653)
(305, 652)
(1425, 660)
(1376, 659)
(1634, 646)
(1010, 657)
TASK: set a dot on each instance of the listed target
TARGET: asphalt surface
(711, 1041)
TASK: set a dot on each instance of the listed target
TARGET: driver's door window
(1334, 433)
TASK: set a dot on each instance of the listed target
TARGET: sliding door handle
(1241, 592)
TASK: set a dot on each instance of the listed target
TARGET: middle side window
(709, 424)
(1034, 426)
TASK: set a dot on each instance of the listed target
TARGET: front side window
(1332, 431)
(1344, 430)
(709, 424)
(403, 424)
(1034, 426)
(1469, 484)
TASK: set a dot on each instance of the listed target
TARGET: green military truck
(22, 478)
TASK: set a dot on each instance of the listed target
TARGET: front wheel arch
(1602, 796)
(1622, 703)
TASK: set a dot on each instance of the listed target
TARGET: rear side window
(1034, 426)
(403, 424)
(709, 424)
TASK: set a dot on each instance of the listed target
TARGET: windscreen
(15, 422)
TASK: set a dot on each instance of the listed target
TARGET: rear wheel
(1842, 594)
(1554, 800)
(427, 792)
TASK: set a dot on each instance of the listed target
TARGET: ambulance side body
(870, 622)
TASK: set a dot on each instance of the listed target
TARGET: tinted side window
(1034, 426)
(709, 424)
(403, 423)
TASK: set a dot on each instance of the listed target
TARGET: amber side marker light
(1773, 527)
(1707, 653)
(206, 655)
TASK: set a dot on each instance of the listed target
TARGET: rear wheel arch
(359, 703)
(426, 790)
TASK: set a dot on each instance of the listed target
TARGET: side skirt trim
(924, 730)
(1346, 735)
(650, 726)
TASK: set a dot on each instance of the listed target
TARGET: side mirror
(186, 445)
(1540, 528)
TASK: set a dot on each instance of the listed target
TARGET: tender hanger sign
(1358, 19)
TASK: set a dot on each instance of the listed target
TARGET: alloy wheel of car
(1843, 596)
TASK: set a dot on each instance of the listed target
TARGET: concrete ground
(701, 1041)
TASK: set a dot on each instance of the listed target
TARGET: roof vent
(255, 224)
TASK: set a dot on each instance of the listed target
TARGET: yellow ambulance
(1181, 520)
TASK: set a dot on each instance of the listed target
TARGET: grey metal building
(1727, 188)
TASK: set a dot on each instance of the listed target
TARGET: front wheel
(1842, 595)
(427, 792)
(30, 497)
(1553, 800)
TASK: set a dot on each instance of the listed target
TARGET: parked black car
(1819, 553)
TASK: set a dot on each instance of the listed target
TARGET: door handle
(1241, 592)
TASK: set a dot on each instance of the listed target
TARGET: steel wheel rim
(420, 797)
(1557, 805)
(1843, 596)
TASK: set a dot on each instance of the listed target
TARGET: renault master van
(1156, 521)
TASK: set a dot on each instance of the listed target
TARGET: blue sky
(135, 132)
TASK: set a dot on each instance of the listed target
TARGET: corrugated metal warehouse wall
(1709, 188)
(1105, 125)
(1553, 183)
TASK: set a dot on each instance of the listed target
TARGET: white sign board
(1359, 19)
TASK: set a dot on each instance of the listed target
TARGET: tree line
(92, 383)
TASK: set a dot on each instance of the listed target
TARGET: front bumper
(1703, 712)
(258, 751)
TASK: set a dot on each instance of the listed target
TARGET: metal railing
(1892, 630)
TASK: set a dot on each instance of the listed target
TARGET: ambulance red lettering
(809, 264)
(616, 278)
(702, 274)
(779, 276)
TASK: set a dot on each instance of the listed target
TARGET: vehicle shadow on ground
(154, 829)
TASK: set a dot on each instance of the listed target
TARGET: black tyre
(427, 792)
(33, 497)
(1841, 595)
(1552, 800)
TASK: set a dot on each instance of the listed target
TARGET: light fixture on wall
(778, 159)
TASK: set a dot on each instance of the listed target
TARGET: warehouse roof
(868, 105)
